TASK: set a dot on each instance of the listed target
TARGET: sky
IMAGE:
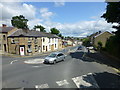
(78, 19)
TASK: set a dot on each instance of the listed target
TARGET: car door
(58, 57)
(61, 56)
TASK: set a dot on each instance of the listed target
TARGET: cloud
(44, 18)
(45, 13)
(10, 9)
(34, 22)
(82, 28)
(59, 4)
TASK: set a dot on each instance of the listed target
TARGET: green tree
(86, 42)
(42, 29)
(112, 15)
(19, 22)
(60, 35)
(55, 31)
(99, 45)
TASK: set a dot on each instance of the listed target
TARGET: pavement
(103, 59)
(75, 72)
(39, 54)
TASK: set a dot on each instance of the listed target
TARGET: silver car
(55, 57)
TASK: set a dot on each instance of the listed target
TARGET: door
(46, 48)
(59, 58)
(22, 51)
(5, 48)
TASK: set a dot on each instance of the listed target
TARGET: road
(74, 72)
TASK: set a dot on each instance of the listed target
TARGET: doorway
(5, 49)
(22, 50)
(46, 48)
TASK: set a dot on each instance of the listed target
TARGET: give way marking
(13, 61)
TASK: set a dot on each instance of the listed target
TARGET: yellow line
(117, 70)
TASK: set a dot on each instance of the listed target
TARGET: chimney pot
(4, 25)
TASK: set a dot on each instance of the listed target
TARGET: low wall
(111, 56)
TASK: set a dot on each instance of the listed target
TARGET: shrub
(86, 42)
(113, 46)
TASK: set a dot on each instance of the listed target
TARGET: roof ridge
(102, 33)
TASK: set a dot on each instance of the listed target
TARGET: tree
(99, 45)
(19, 22)
(86, 42)
(60, 35)
(55, 31)
(42, 29)
(112, 15)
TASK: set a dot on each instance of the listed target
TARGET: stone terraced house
(4, 32)
(29, 42)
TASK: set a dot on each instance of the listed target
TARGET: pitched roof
(5, 29)
(31, 33)
(102, 33)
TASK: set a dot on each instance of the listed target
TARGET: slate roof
(102, 33)
(31, 33)
(5, 29)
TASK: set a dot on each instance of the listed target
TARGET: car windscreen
(79, 48)
(52, 55)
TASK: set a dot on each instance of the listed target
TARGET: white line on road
(79, 81)
(34, 61)
(13, 61)
(61, 83)
(42, 86)
(85, 81)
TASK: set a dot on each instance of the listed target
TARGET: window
(36, 48)
(49, 40)
(52, 39)
(4, 38)
(43, 47)
(0, 46)
(55, 45)
(55, 40)
(59, 54)
(29, 49)
(36, 41)
(29, 40)
(12, 41)
(43, 39)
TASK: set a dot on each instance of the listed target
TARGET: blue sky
(71, 18)
(72, 11)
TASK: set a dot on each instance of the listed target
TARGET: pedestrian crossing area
(84, 81)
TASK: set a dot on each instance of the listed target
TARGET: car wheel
(64, 59)
(54, 62)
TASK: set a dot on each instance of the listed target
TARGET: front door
(22, 50)
(46, 48)
(5, 49)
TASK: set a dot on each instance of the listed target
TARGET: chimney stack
(4, 25)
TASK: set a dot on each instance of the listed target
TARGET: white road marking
(13, 61)
(34, 61)
(61, 83)
(86, 81)
(42, 86)
(79, 81)
(36, 66)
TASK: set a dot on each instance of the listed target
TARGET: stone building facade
(102, 37)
